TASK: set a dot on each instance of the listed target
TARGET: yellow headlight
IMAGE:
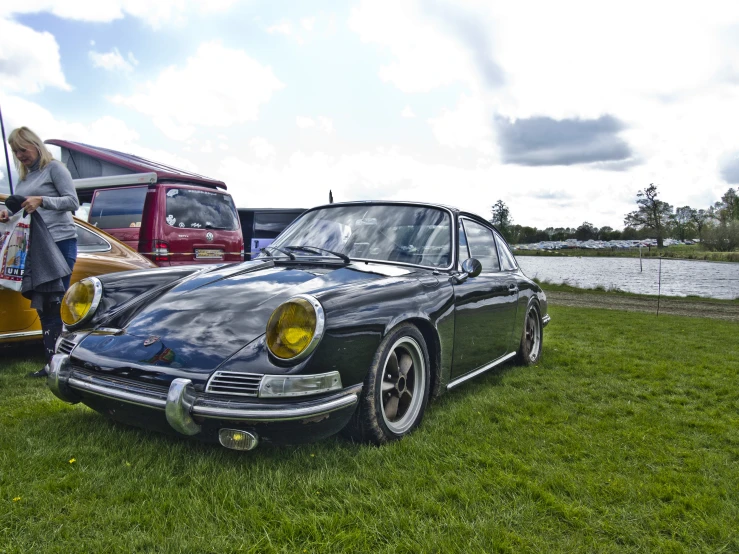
(79, 300)
(292, 327)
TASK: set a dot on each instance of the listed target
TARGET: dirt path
(667, 306)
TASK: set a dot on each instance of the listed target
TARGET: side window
(482, 245)
(267, 225)
(87, 241)
(118, 208)
(507, 261)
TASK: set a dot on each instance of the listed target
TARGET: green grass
(681, 251)
(625, 438)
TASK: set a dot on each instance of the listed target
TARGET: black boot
(51, 334)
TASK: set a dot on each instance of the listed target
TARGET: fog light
(237, 440)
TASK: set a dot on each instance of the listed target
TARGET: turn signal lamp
(295, 328)
(81, 301)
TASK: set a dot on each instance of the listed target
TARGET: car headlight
(81, 301)
(295, 328)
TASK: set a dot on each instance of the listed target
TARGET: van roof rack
(93, 162)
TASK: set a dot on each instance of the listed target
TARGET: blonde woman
(49, 191)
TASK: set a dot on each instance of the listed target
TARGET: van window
(118, 208)
(267, 225)
(200, 209)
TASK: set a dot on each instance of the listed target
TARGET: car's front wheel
(529, 351)
(396, 389)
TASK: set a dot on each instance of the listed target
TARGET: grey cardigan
(54, 184)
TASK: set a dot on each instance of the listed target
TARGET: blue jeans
(50, 316)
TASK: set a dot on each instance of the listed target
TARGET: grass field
(682, 252)
(624, 439)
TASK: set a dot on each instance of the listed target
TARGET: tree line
(716, 227)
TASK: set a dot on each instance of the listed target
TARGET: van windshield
(199, 209)
(118, 208)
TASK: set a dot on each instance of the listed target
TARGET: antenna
(7, 160)
(330, 197)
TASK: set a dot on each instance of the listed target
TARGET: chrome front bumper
(182, 404)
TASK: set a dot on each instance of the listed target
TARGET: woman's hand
(32, 203)
(3, 216)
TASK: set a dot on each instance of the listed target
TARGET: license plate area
(208, 254)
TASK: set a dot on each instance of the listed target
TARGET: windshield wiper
(280, 250)
(318, 250)
(209, 226)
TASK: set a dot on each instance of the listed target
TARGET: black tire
(532, 339)
(396, 389)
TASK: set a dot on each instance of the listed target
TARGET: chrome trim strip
(477, 372)
(186, 404)
(20, 335)
(276, 415)
(117, 394)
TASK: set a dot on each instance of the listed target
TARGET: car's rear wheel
(529, 351)
(396, 389)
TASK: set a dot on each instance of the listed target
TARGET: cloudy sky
(563, 110)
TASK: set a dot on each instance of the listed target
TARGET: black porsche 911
(351, 320)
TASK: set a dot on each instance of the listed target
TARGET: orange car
(97, 253)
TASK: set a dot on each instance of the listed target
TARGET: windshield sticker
(171, 219)
(181, 224)
(196, 225)
(172, 192)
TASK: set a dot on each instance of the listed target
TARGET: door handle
(513, 288)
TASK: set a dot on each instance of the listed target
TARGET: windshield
(200, 209)
(406, 234)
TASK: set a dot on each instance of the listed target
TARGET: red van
(170, 216)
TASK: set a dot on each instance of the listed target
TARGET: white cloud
(29, 60)
(106, 131)
(407, 112)
(469, 125)
(280, 29)
(308, 23)
(425, 56)
(153, 13)
(216, 95)
(321, 122)
(304, 122)
(262, 148)
(112, 61)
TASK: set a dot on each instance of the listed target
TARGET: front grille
(65, 346)
(235, 384)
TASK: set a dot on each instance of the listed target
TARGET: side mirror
(472, 267)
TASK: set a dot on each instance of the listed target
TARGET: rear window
(118, 208)
(267, 225)
(87, 241)
(197, 209)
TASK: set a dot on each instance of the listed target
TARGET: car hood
(204, 320)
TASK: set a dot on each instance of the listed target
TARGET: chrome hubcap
(403, 383)
(533, 334)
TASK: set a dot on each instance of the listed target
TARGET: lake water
(678, 277)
